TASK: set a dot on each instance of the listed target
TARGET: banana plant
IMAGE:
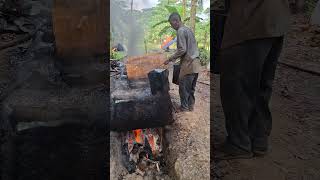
(167, 29)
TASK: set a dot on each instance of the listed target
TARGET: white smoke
(142, 4)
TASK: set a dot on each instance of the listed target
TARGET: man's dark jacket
(255, 19)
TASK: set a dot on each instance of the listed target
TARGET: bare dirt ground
(295, 106)
(187, 151)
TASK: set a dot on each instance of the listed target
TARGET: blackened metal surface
(139, 109)
(65, 152)
(158, 79)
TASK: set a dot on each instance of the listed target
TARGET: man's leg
(261, 122)
(241, 67)
(185, 89)
(192, 91)
(184, 93)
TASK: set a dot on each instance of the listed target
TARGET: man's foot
(182, 109)
(260, 146)
(259, 152)
(228, 152)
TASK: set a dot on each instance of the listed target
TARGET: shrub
(204, 56)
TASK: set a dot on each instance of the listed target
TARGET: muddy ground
(187, 140)
(295, 106)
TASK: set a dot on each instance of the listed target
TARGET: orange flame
(137, 135)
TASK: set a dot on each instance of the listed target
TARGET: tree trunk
(205, 39)
(193, 15)
(184, 6)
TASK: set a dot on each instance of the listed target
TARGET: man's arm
(181, 46)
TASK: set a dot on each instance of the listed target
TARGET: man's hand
(166, 62)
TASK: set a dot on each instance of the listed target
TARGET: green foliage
(159, 23)
(161, 26)
(204, 56)
(154, 23)
(165, 30)
(172, 9)
(117, 55)
(310, 5)
(198, 19)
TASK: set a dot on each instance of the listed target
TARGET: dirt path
(295, 106)
(189, 136)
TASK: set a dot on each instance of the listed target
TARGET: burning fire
(140, 136)
(137, 135)
(144, 146)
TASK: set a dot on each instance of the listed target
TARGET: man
(252, 42)
(188, 53)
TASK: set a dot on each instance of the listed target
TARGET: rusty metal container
(81, 27)
(138, 67)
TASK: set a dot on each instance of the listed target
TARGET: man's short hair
(174, 16)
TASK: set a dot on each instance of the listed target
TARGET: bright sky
(142, 4)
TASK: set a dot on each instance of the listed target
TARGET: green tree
(193, 15)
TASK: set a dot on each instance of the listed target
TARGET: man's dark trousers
(247, 73)
(187, 85)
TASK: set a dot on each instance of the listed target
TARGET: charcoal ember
(158, 79)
